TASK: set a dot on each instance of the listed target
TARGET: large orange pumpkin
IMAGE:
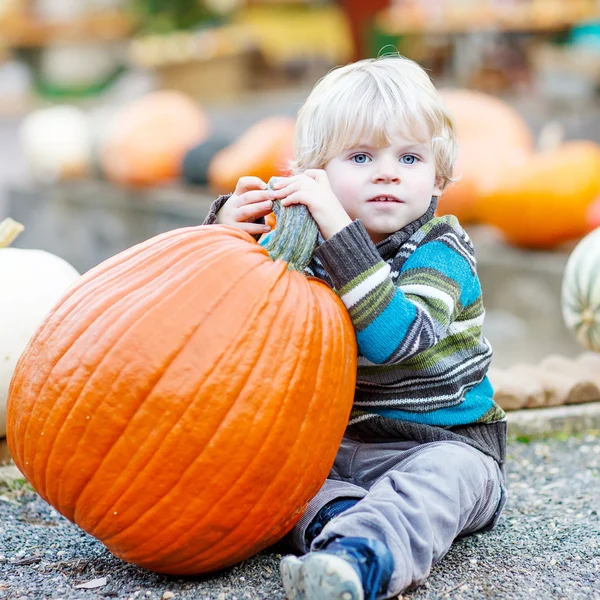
(264, 150)
(148, 138)
(545, 201)
(185, 399)
(492, 136)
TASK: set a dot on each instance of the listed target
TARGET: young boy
(421, 462)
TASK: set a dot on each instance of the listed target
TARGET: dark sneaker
(346, 569)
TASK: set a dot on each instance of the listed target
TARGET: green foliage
(12, 489)
(164, 16)
(523, 439)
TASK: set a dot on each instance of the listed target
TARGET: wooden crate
(210, 80)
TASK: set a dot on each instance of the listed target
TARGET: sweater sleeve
(215, 207)
(394, 322)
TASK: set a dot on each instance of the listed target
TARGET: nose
(386, 170)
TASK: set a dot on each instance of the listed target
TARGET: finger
(294, 186)
(313, 173)
(251, 212)
(245, 184)
(254, 197)
(284, 181)
(319, 175)
(298, 197)
(254, 228)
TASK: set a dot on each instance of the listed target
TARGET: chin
(378, 236)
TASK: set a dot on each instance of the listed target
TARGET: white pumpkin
(56, 143)
(581, 291)
(31, 282)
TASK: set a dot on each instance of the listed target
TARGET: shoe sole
(320, 576)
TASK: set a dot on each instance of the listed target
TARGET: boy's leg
(435, 493)
(357, 565)
(337, 486)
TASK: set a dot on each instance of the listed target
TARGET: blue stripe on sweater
(477, 401)
(436, 255)
(380, 339)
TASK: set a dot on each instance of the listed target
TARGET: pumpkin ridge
(48, 330)
(324, 418)
(324, 415)
(198, 525)
(294, 375)
(184, 281)
(125, 298)
(243, 334)
(212, 549)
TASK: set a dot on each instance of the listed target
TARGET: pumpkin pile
(537, 198)
(161, 137)
(264, 150)
(493, 138)
(148, 138)
(186, 398)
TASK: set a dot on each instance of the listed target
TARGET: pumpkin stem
(9, 230)
(588, 317)
(295, 236)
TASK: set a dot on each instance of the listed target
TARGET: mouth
(386, 199)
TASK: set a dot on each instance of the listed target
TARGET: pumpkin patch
(186, 399)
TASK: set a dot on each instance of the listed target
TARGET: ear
(438, 189)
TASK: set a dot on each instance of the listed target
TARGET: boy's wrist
(335, 226)
(215, 208)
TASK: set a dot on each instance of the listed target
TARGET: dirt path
(547, 545)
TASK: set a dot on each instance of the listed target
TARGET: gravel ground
(547, 545)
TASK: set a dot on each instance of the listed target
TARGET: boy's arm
(394, 322)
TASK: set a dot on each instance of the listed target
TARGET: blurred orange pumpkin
(264, 150)
(149, 137)
(593, 215)
(547, 200)
(492, 136)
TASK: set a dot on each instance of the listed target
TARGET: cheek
(347, 193)
(343, 184)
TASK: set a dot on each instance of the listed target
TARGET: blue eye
(409, 159)
(360, 159)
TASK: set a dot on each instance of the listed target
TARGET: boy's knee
(452, 460)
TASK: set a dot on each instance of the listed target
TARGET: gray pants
(416, 498)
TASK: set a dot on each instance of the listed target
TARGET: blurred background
(120, 119)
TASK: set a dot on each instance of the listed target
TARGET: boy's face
(385, 187)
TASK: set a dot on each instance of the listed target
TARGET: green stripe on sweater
(361, 278)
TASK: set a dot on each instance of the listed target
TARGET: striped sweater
(415, 302)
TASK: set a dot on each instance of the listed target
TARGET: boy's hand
(312, 189)
(250, 201)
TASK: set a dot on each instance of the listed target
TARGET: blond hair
(372, 101)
